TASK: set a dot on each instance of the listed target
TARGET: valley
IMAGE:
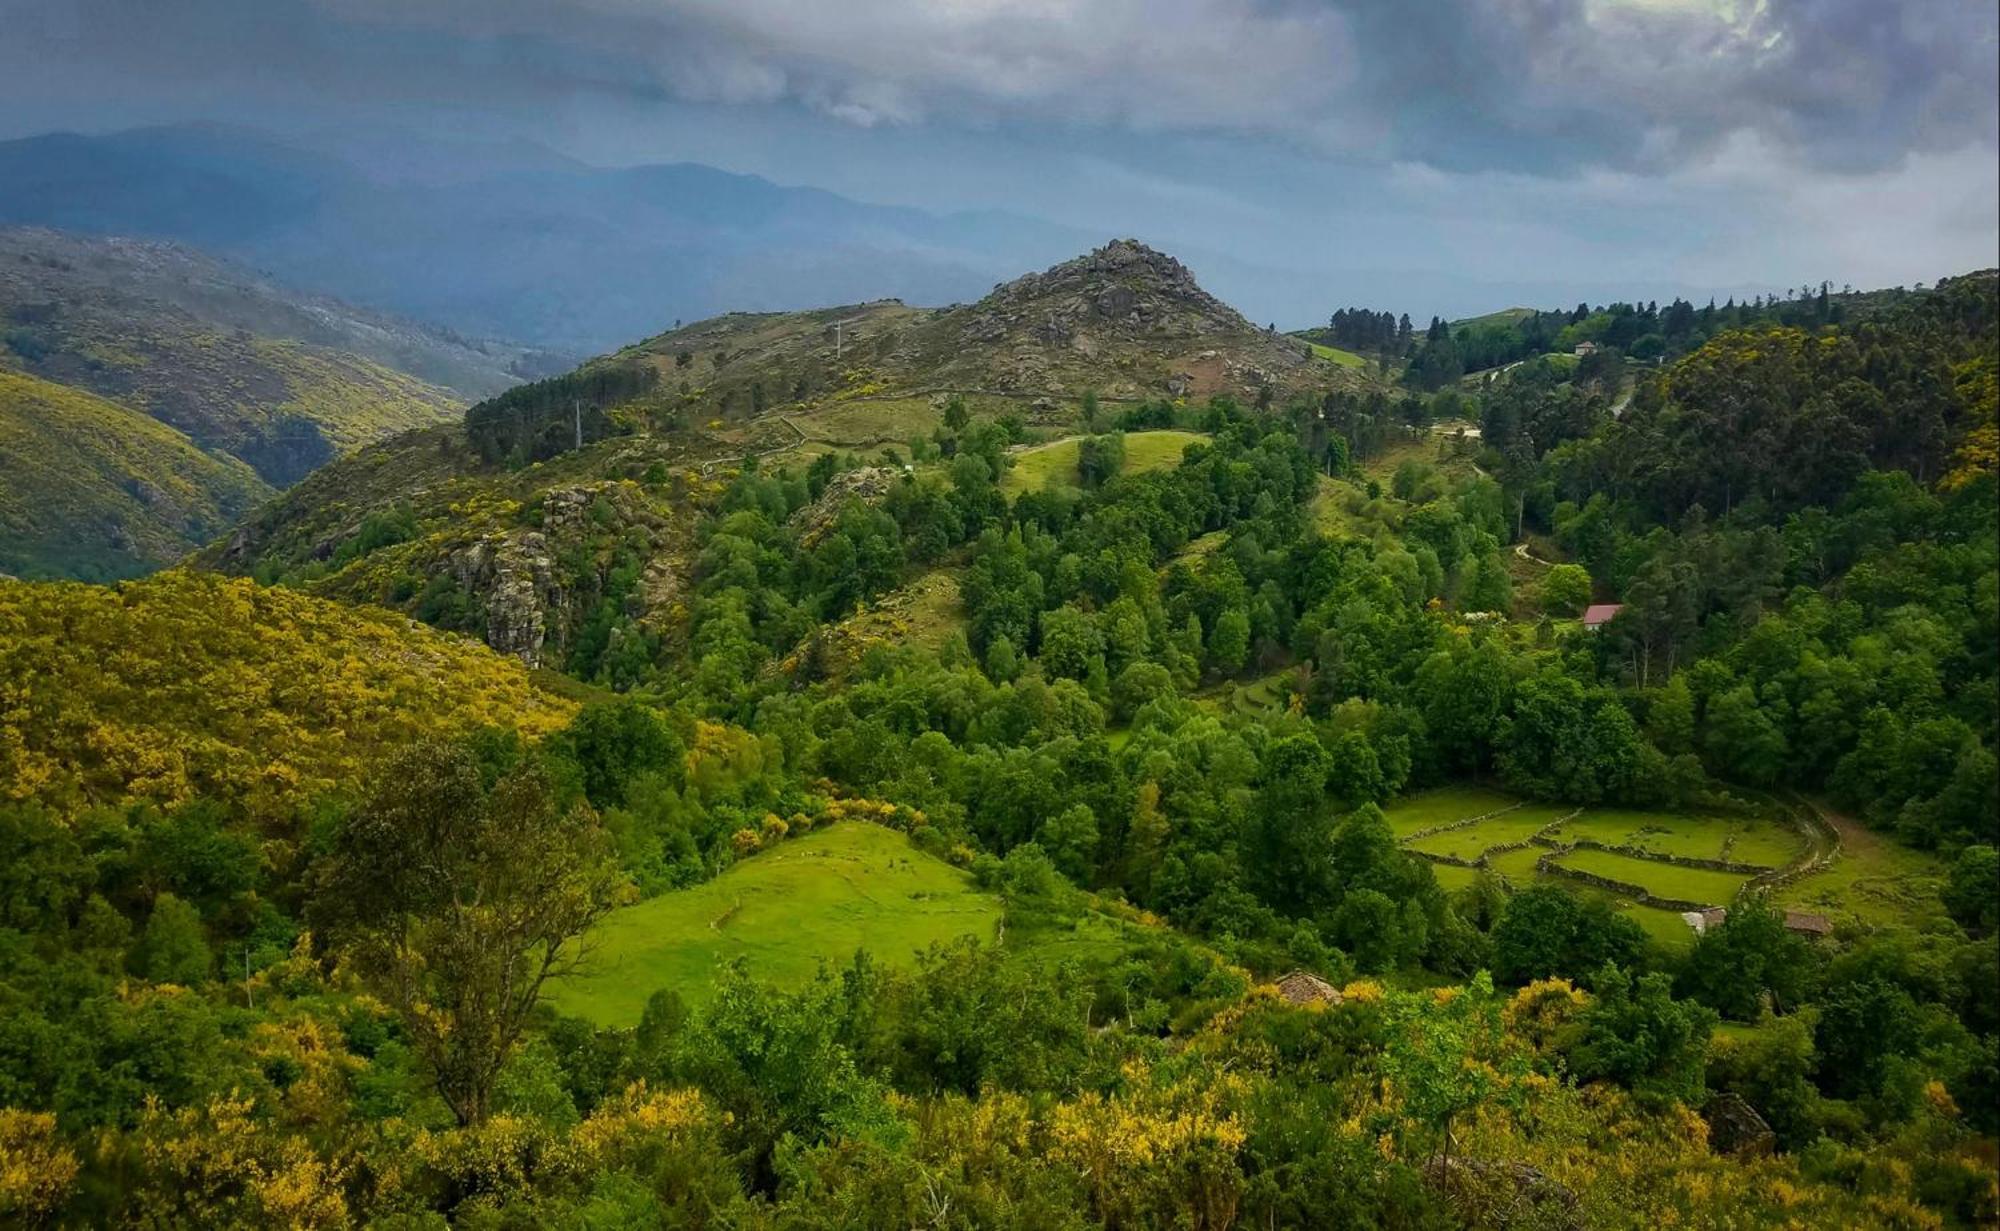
(832, 735)
(1002, 616)
(200, 358)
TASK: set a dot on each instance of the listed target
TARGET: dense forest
(263, 984)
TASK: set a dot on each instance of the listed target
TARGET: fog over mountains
(512, 240)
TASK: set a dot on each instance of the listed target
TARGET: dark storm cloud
(1533, 85)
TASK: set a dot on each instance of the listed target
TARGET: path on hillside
(1825, 834)
(1521, 550)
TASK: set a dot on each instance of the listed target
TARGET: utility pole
(836, 341)
(577, 404)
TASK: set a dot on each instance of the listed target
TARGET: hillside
(1124, 320)
(94, 489)
(280, 381)
(1052, 815)
(525, 554)
(185, 685)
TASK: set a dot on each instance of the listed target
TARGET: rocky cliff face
(536, 585)
(512, 577)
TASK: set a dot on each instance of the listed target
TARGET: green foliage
(1566, 590)
(1061, 1059)
(460, 902)
(1545, 931)
(1749, 962)
(172, 949)
(614, 743)
(1635, 1033)
(1973, 894)
(536, 421)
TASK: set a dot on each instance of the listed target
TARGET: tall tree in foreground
(458, 903)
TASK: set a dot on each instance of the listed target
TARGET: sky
(1413, 154)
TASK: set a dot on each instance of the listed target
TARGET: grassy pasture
(1664, 926)
(862, 424)
(1743, 839)
(1518, 867)
(1036, 468)
(1664, 879)
(1451, 803)
(814, 899)
(1515, 826)
(1333, 354)
(1875, 880)
(1451, 878)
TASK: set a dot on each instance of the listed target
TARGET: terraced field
(1518, 825)
(1425, 826)
(1442, 806)
(1664, 880)
(1739, 839)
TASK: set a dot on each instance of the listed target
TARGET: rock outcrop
(522, 578)
(868, 483)
(1125, 319)
(1503, 1193)
(1734, 1127)
(513, 578)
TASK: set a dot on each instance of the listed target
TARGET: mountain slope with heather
(194, 685)
(93, 489)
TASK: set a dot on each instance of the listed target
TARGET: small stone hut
(1304, 987)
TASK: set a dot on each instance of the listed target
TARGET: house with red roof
(1597, 615)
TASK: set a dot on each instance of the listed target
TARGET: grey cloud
(1543, 86)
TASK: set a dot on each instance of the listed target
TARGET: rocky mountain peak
(1122, 284)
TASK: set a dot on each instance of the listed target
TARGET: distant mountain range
(150, 394)
(518, 244)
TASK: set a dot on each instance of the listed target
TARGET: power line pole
(577, 403)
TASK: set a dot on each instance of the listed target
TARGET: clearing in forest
(1881, 879)
(1333, 354)
(813, 899)
(1035, 468)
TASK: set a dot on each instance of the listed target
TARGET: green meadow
(811, 900)
(1037, 467)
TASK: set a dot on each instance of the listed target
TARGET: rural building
(1805, 923)
(1702, 920)
(1585, 348)
(1597, 615)
(1304, 987)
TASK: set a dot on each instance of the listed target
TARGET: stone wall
(1463, 823)
(1639, 894)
